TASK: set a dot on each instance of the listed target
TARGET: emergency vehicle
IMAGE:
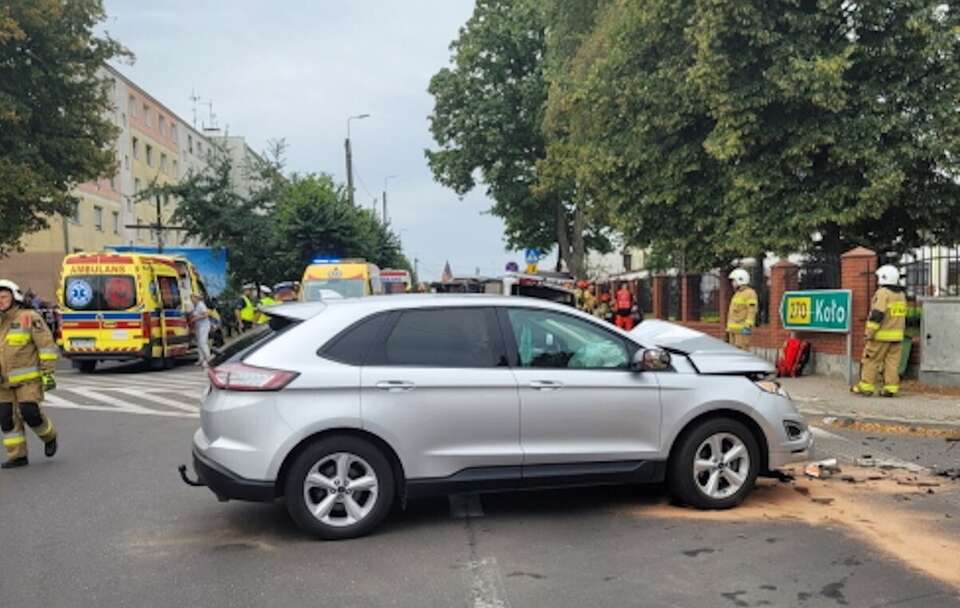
(396, 281)
(349, 278)
(124, 306)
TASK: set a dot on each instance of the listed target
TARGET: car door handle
(395, 385)
(546, 385)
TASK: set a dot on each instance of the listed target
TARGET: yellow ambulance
(123, 306)
(335, 278)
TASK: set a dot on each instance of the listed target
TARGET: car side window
(546, 339)
(442, 337)
(352, 345)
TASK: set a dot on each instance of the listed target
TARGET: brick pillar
(726, 294)
(659, 285)
(857, 268)
(690, 297)
(783, 277)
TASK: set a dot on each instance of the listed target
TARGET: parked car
(348, 407)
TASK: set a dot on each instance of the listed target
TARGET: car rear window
(100, 292)
(253, 340)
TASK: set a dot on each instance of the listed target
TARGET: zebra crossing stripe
(57, 401)
(150, 396)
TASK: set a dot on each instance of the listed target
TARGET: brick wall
(857, 268)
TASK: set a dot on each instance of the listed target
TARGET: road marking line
(486, 584)
(148, 395)
(61, 403)
(463, 506)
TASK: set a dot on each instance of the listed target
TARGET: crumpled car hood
(708, 354)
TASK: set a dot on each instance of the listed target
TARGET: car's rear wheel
(339, 487)
(715, 465)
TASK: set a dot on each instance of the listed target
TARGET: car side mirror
(650, 360)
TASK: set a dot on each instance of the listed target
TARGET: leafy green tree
(54, 100)
(488, 121)
(716, 130)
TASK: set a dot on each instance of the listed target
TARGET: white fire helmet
(740, 277)
(888, 275)
(13, 288)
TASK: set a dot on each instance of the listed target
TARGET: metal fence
(645, 295)
(708, 303)
(819, 273)
(932, 273)
(672, 298)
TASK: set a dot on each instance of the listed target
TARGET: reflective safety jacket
(27, 349)
(888, 315)
(624, 299)
(743, 309)
(265, 301)
(247, 311)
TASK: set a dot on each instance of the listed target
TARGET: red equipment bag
(796, 353)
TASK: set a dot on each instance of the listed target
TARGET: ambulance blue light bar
(326, 261)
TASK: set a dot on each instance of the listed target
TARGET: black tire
(311, 456)
(86, 367)
(680, 469)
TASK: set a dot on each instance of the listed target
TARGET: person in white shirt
(200, 317)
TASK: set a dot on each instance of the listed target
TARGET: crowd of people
(618, 306)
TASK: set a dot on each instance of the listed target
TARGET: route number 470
(799, 311)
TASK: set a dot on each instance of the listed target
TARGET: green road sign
(816, 310)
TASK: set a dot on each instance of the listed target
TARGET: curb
(919, 422)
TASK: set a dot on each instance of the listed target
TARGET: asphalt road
(107, 522)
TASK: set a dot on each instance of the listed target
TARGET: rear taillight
(145, 320)
(241, 377)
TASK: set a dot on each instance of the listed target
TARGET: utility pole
(386, 218)
(158, 226)
(349, 153)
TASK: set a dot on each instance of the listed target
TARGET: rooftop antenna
(194, 98)
(211, 116)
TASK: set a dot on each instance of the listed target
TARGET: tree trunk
(563, 239)
(579, 244)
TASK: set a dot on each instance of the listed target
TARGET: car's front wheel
(339, 487)
(715, 465)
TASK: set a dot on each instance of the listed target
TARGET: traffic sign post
(821, 310)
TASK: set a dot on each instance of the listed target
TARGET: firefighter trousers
(18, 405)
(739, 340)
(881, 361)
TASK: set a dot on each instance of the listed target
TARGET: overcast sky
(296, 70)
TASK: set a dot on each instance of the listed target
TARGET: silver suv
(346, 408)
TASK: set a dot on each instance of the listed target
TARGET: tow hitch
(190, 482)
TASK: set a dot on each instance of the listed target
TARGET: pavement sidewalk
(828, 396)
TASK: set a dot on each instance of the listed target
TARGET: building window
(75, 213)
(163, 125)
(627, 262)
(149, 151)
(136, 185)
(176, 173)
(190, 143)
(126, 161)
(132, 106)
(163, 162)
(98, 217)
(173, 132)
(113, 183)
(146, 115)
(136, 148)
(116, 222)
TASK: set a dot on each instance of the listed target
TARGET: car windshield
(347, 288)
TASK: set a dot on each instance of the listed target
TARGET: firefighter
(742, 316)
(884, 336)
(28, 355)
(624, 307)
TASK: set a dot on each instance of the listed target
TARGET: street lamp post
(349, 152)
(385, 180)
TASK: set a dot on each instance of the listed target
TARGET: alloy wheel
(721, 465)
(341, 489)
